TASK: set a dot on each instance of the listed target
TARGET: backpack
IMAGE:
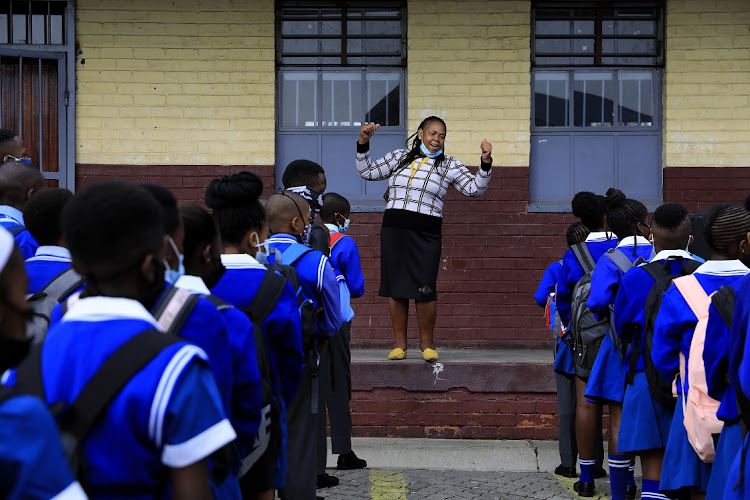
(75, 421)
(660, 389)
(699, 408)
(173, 309)
(44, 301)
(586, 331)
(723, 300)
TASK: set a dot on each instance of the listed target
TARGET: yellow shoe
(397, 353)
(429, 355)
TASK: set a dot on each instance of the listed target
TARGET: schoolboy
(308, 179)
(18, 183)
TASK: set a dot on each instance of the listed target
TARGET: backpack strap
(29, 374)
(619, 259)
(174, 308)
(60, 287)
(583, 255)
(335, 237)
(723, 300)
(294, 253)
(694, 294)
(111, 378)
(221, 305)
(268, 294)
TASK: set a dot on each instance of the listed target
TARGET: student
(154, 438)
(42, 217)
(287, 217)
(563, 366)
(345, 261)
(12, 147)
(308, 179)
(34, 466)
(645, 421)
(202, 248)
(18, 183)
(627, 219)
(591, 210)
(241, 221)
(726, 227)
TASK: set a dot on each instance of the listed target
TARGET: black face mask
(13, 351)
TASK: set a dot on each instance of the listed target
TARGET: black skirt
(410, 249)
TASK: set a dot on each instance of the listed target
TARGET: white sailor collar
(333, 228)
(666, 254)
(53, 251)
(240, 261)
(282, 238)
(723, 268)
(100, 308)
(601, 236)
(632, 240)
(193, 284)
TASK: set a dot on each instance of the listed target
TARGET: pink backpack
(699, 408)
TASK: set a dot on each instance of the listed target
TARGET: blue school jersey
(11, 216)
(345, 259)
(740, 325)
(245, 414)
(597, 243)
(605, 280)
(552, 275)
(630, 302)
(32, 461)
(318, 282)
(283, 327)
(45, 265)
(675, 323)
(168, 416)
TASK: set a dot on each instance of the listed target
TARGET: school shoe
(630, 492)
(569, 472)
(350, 461)
(584, 489)
(397, 353)
(600, 473)
(326, 480)
(429, 355)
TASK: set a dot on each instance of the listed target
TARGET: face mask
(262, 253)
(314, 199)
(13, 351)
(172, 275)
(27, 161)
(427, 153)
(345, 227)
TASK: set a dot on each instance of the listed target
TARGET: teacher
(411, 237)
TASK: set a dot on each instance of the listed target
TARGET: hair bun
(615, 198)
(236, 190)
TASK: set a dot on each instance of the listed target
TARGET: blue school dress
(45, 265)
(32, 461)
(245, 414)
(645, 422)
(10, 217)
(169, 415)
(673, 333)
(607, 379)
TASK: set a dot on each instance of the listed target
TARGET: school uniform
(169, 415)
(11, 217)
(32, 461)
(645, 422)
(607, 379)
(673, 332)
(45, 265)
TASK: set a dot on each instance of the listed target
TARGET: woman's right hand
(367, 130)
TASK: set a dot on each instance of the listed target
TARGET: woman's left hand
(486, 151)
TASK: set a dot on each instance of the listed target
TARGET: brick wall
(175, 83)
(706, 106)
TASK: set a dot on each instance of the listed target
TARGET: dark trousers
(566, 411)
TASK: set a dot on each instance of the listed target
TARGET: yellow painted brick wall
(175, 82)
(469, 63)
(707, 83)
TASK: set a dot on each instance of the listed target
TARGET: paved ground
(415, 484)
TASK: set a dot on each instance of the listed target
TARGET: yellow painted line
(568, 483)
(387, 484)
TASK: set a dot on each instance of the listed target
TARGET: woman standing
(411, 240)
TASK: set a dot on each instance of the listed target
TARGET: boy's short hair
(283, 207)
(672, 226)
(42, 215)
(111, 226)
(168, 203)
(334, 203)
(301, 173)
(576, 233)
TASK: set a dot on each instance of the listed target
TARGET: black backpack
(660, 389)
(75, 421)
(44, 301)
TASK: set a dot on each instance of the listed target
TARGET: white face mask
(172, 275)
(262, 254)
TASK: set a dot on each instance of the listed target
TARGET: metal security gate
(36, 81)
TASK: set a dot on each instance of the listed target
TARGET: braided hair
(724, 226)
(590, 208)
(624, 214)
(576, 233)
(415, 150)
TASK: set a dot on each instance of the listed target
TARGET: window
(596, 87)
(37, 65)
(340, 64)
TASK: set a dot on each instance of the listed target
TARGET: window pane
(383, 45)
(19, 27)
(585, 46)
(636, 98)
(593, 105)
(553, 27)
(552, 46)
(553, 61)
(636, 27)
(551, 99)
(299, 27)
(331, 27)
(342, 98)
(299, 96)
(383, 27)
(295, 46)
(331, 46)
(583, 27)
(384, 98)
